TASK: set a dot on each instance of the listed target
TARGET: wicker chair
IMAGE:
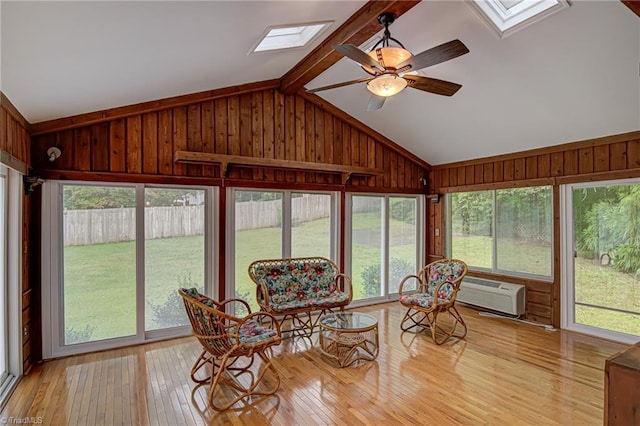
(441, 278)
(229, 347)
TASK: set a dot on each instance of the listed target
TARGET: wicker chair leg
(244, 392)
(215, 380)
(204, 359)
(456, 319)
(456, 315)
(411, 316)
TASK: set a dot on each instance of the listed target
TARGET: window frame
(12, 222)
(567, 268)
(348, 247)
(448, 243)
(230, 230)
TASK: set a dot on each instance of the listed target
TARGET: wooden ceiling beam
(360, 27)
(634, 5)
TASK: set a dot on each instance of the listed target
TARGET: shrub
(72, 336)
(626, 258)
(398, 269)
(171, 313)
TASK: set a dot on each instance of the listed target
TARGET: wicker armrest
(407, 278)
(242, 302)
(437, 290)
(262, 297)
(346, 282)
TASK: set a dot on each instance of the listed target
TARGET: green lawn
(512, 255)
(100, 278)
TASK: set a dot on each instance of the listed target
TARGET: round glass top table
(348, 337)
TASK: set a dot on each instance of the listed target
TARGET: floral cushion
(423, 300)
(331, 300)
(444, 272)
(252, 332)
(195, 294)
(297, 281)
(200, 314)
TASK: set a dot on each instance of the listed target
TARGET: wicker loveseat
(293, 289)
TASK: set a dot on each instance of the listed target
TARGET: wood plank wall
(15, 152)
(14, 136)
(612, 157)
(262, 124)
(137, 144)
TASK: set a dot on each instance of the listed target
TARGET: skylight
(290, 36)
(509, 16)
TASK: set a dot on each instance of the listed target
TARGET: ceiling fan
(389, 66)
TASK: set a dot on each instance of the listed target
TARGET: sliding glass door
(274, 225)
(602, 245)
(116, 257)
(99, 263)
(174, 228)
(384, 243)
(3, 275)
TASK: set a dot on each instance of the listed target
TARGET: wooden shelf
(227, 160)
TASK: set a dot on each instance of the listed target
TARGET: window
(122, 250)
(11, 195)
(507, 230)
(384, 243)
(506, 17)
(274, 225)
(290, 36)
(174, 222)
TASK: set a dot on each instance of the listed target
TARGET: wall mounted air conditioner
(495, 295)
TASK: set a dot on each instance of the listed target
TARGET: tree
(108, 197)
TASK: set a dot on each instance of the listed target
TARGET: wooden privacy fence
(99, 226)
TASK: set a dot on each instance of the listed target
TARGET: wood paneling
(262, 124)
(15, 149)
(612, 157)
(15, 152)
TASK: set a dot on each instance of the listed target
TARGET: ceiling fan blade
(434, 56)
(344, 83)
(375, 102)
(354, 53)
(432, 85)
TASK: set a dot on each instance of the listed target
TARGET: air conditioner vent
(495, 295)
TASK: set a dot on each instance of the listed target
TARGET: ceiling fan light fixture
(386, 85)
(391, 57)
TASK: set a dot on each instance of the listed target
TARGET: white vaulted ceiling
(569, 77)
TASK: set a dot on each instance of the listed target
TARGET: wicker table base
(349, 337)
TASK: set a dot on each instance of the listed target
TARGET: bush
(626, 258)
(171, 313)
(398, 269)
(72, 336)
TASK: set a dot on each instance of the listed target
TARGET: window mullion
(286, 224)
(140, 261)
(494, 238)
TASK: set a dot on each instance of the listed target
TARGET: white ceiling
(571, 76)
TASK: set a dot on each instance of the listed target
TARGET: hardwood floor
(504, 373)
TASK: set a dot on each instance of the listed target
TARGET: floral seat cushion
(299, 283)
(330, 300)
(423, 300)
(252, 332)
(444, 272)
(200, 314)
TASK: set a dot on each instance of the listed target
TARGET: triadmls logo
(21, 420)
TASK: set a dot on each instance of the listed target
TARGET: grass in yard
(100, 278)
(513, 255)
